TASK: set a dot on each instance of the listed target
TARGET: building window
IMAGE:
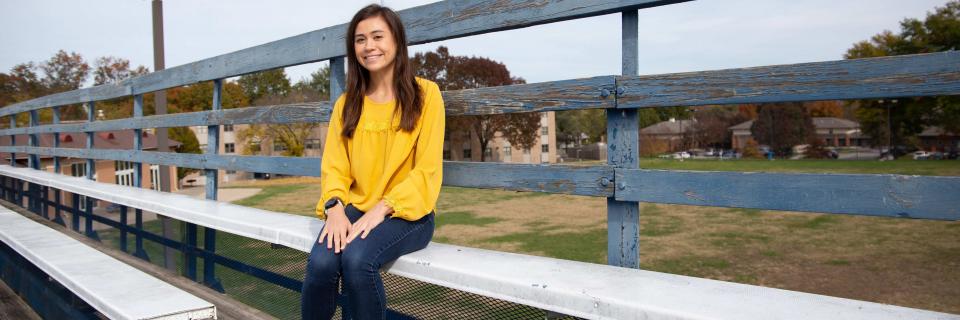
(544, 148)
(507, 152)
(228, 128)
(488, 153)
(313, 144)
(229, 148)
(155, 177)
(201, 130)
(544, 131)
(231, 171)
(255, 146)
(124, 172)
(543, 115)
(203, 148)
(526, 151)
(467, 154)
(279, 146)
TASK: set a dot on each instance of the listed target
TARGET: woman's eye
(377, 37)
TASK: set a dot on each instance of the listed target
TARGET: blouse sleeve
(416, 196)
(335, 177)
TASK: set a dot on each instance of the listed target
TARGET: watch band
(331, 203)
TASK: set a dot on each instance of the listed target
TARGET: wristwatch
(333, 202)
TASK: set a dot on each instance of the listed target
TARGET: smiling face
(375, 45)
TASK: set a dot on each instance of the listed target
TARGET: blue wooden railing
(620, 180)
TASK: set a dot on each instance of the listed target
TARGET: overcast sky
(691, 36)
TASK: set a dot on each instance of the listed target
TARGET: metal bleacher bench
(573, 288)
(115, 289)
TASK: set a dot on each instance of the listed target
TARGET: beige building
(835, 132)
(669, 136)
(467, 148)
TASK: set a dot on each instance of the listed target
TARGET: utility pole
(160, 100)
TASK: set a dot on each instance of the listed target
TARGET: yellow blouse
(383, 162)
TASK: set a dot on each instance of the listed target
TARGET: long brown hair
(405, 84)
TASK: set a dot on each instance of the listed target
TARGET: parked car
(681, 155)
(920, 155)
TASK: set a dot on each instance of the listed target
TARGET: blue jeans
(359, 266)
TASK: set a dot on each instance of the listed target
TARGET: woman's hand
(369, 220)
(335, 229)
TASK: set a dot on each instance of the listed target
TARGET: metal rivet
(621, 90)
(622, 185)
(604, 181)
(604, 93)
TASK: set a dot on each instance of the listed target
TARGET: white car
(920, 155)
(681, 155)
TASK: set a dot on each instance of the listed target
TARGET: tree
(461, 72)
(199, 97)
(713, 125)
(940, 31)
(188, 144)
(782, 126)
(290, 135)
(590, 122)
(64, 72)
(265, 83)
(832, 109)
(113, 70)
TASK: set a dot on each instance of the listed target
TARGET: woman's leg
(361, 262)
(318, 296)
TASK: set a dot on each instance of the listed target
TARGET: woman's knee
(357, 260)
(322, 262)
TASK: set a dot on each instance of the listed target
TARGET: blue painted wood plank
(56, 141)
(578, 180)
(623, 151)
(595, 92)
(138, 140)
(91, 165)
(13, 140)
(289, 113)
(899, 76)
(213, 143)
(427, 23)
(279, 165)
(338, 77)
(922, 197)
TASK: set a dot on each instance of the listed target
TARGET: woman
(381, 170)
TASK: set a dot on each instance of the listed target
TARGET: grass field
(913, 263)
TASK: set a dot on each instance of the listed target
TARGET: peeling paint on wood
(536, 97)
(900, 76)
(529, 177)
(922, 197)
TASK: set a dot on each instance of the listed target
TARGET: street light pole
(160, 101)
